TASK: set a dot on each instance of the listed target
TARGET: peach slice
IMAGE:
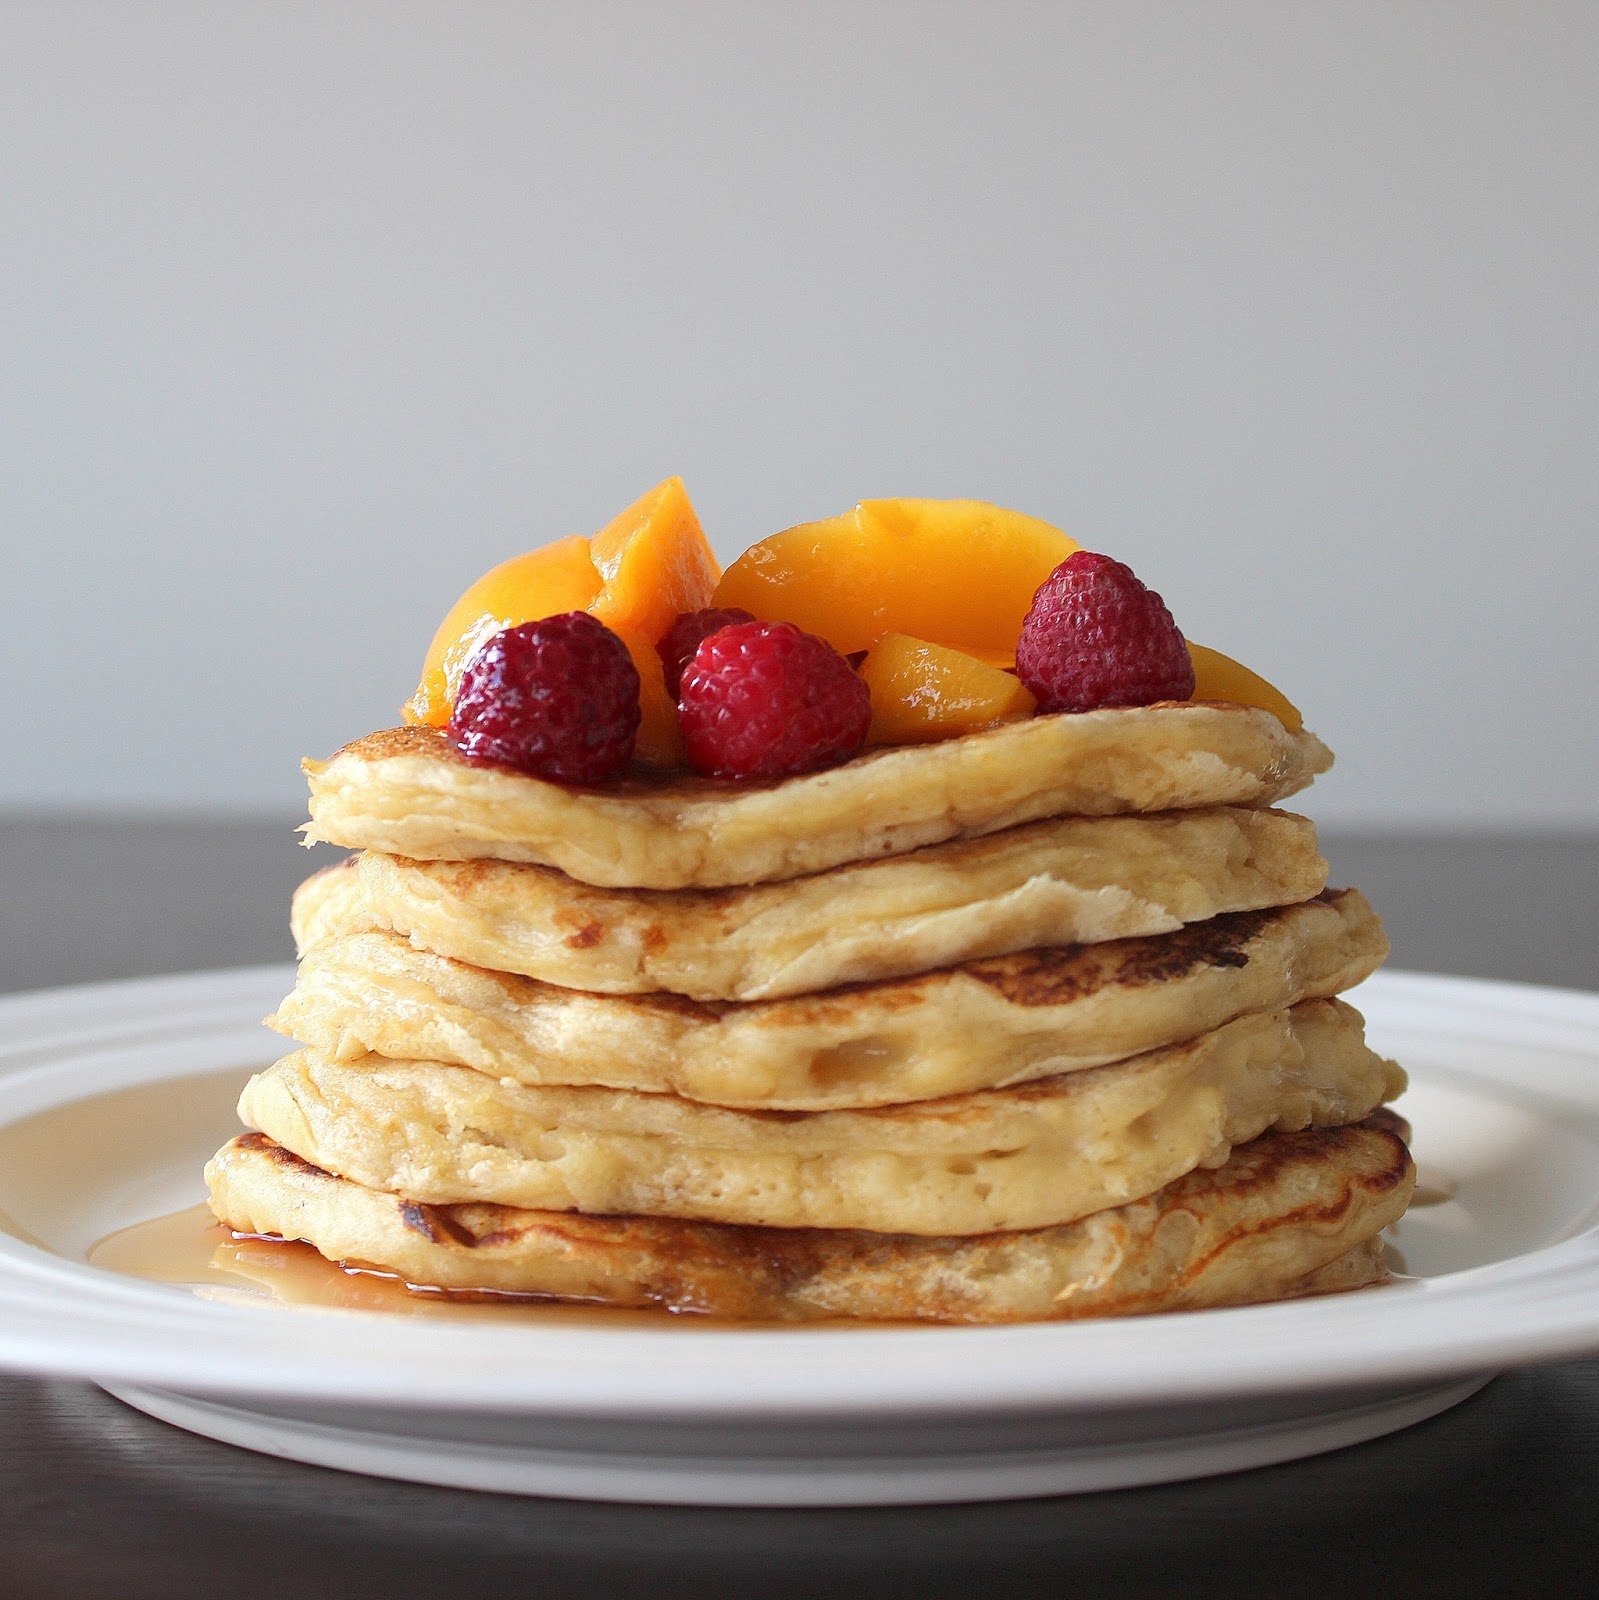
(1219, 677)
(922, 691)
(659, 743)
(635, 576)
(959, 573)
(655, 564)
(543, 583)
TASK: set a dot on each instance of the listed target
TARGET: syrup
(190, 1249)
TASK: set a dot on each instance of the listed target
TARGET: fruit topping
(655, 563)
(923, 691)
(543, 583)
(895, 622)
(636, 575)
(954, 572)
(1095, 636)
(686, 635)
(764, 699)
(557, 697)
(1219, 677)
(659, 743)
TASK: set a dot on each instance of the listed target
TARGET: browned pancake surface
(981, 1025)
(1289, 1213)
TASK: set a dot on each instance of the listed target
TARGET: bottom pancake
(1288, 1214)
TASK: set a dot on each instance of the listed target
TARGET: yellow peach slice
(1219, 677)
(655, 563)
(635, 575)
(557, 578)
(959, 573)
(922, 691)
(659, 743)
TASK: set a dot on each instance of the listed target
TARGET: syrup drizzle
(190, 1249)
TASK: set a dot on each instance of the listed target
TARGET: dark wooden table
(1496, 1497)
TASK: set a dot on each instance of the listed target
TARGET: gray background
(310, 313)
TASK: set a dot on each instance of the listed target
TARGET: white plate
(112, 1096)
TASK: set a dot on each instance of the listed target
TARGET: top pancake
(407, 792)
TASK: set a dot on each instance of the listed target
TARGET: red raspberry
(557, 698)
(1095, 636)
(686, 635)
(763, 699)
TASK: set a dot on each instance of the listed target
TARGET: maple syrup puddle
(190, 1249)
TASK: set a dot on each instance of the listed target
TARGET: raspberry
(1095, 636)
(558, 698)
(763, 699)
(685, 636)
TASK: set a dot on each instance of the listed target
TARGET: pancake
(1287, 1214)
(406, 791)
(1064, 881)
(987, 1024)
(1029, 1156)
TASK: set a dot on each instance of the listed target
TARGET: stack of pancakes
(1036, 1023)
